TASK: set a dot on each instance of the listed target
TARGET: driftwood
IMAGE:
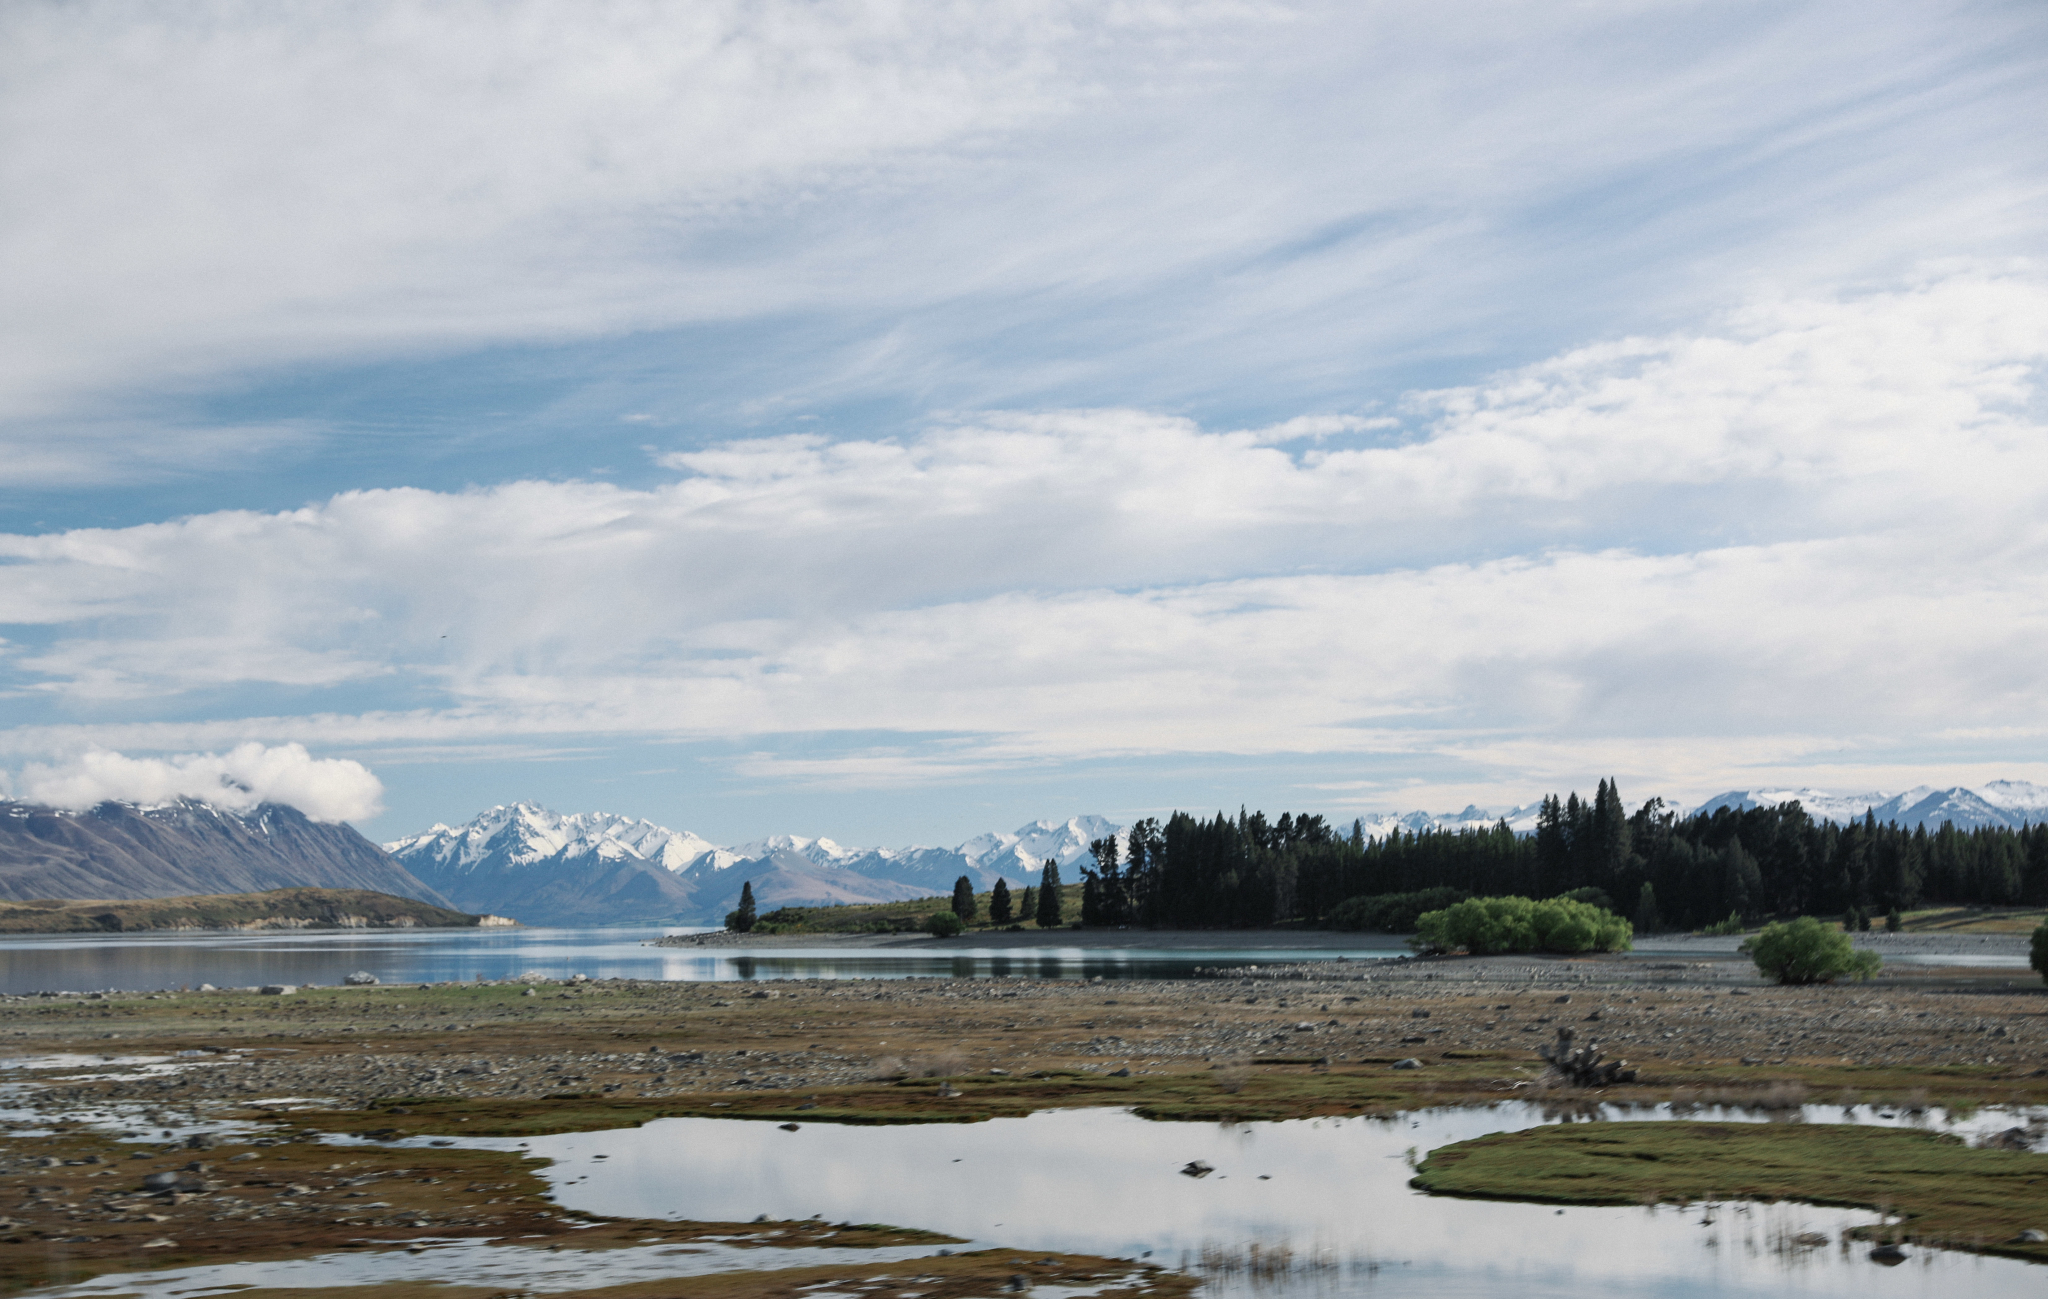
(1582, 1065)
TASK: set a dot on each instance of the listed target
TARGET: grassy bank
(1945, 1192)
(275, 909)
(904, 917)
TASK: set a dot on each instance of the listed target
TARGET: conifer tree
(963, 900)
(1027, 909)
(999, 903)
(1049, 895)
(741, 919)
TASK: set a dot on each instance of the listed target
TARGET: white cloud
(1817, 529)
(245, 777)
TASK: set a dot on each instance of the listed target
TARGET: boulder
(1196, 1168)
(1410, 1063)
(360, 979)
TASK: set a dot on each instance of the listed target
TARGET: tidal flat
(304, 1125)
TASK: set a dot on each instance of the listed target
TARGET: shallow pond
(1306, 1208)
(1311, 1206)
(89, 962)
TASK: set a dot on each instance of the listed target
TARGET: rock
(1196, 1168)
(1120, 1073)
(1582, 1066)
(207, 987)
(1559, 1001)
(2031, 1236)
(2010, 1139)
(789, 1127)
(1418, 1014)
(532, 976)
(360, 979)
(1410, 1063)
(161, 1242)
(278, 989)
(1810, 1239)
(1888, 1254)
(166, 1183)
(1304, 1027)
(579, 978)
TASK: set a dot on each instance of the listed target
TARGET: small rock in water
(1810, 1239)
(1196, 1168)
(1888, 1254)
(789, 1127)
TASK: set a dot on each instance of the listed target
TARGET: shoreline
(1380, 945)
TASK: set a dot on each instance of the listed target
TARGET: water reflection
(1308, 1207)
(87, 962)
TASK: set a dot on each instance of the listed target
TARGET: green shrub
(2040, 950)
(1723, 928)
(1390, 913)
(1487, 926)
(942, 924)
(1808, 951)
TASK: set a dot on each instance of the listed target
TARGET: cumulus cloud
(1814, 529)
(245, 777)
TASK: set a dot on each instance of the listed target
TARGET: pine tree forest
(1661, 869)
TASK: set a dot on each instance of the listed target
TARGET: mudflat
(1339, 1036)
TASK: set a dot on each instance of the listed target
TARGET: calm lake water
(93, 962)
(1307, 1208)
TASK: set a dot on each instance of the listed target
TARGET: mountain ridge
(187, 847)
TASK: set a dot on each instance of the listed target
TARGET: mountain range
(2009, 803)
(122, 850)
(595, 868)
(545, 867)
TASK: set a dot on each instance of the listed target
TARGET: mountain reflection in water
(31, 963)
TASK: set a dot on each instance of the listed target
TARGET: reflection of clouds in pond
(1307, 1206)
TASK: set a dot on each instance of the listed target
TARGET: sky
(900, 419)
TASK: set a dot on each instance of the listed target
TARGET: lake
(31, 963)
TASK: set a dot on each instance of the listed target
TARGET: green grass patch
(1947, 1193)
(904, 917)
(275, 909)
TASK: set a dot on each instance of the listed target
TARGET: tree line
(1664, 870)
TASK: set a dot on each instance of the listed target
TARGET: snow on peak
(524, 833)
(1999, 803)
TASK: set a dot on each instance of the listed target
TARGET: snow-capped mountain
(1522, 820)
(2011, 803)
(526, 832)
(544, 867)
